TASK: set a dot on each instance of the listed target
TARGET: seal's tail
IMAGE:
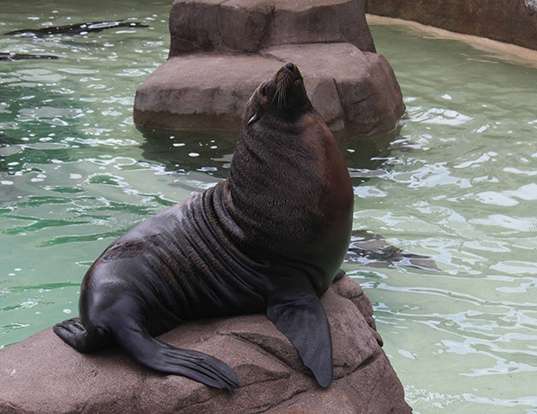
(165, 358)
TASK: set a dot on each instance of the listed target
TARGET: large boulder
(43, 375)
(252, 25)
(511, 21)
(351, 89)
(222, 50)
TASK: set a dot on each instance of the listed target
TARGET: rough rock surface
(222, 49)
(252, 25)
(43, 375)
(511, 21)
(351, 89)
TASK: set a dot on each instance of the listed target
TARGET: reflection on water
(187, 152)
(457, 183)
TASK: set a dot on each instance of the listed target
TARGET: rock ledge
(43, 375)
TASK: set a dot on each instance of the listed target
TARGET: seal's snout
(289, 72)
(293, 70)
(290, 90)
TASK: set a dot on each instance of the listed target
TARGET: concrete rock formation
(222, 49)
(252, 25)
(43, 375)
(510, 21)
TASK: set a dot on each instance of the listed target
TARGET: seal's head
(283, 97)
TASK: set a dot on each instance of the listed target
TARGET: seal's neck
(275, 183)
(290, 196)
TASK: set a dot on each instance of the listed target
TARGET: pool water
(458, 184)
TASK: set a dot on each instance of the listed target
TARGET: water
(458, 184)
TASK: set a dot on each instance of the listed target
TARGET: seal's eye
(253, 118)
(264, 90)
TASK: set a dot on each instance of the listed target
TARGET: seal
(269, 239)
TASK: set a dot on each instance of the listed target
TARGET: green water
(458, 184)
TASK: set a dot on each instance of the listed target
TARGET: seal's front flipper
(298, 313)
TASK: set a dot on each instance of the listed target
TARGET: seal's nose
(291, 67)
(289, 86)
(293, 70)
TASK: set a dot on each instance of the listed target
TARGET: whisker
(283, 82)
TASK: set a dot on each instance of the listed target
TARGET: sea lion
(269, 239)
(75, 29)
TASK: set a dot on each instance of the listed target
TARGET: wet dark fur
(270, 239)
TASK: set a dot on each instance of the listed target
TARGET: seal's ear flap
(254, 118)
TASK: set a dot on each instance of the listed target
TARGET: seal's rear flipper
(73, 333)
(298, 313)
(167, 359)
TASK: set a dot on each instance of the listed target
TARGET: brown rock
(222, 49)
(368, 91)
(511, 21)
(353, 90)
(205, 89)
(251, 25)
(43, 375)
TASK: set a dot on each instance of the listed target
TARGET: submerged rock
(371, 249)
(11, 56)
(75, 29)
(222, 50)
(513, 21)
(43, 375)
